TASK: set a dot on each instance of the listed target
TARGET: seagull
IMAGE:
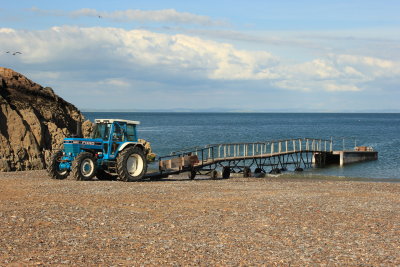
(16, 53)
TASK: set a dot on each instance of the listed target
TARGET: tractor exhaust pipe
(79, 129)
(78, 133)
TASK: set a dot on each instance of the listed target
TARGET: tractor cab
(115, 135)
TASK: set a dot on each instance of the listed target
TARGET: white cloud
(367, 61)
(111, 47)
(6, 30)
(335, 73)
(118, 57)
(163, 16)
(114, 82)
(331, 87)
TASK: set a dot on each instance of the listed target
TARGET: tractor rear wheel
(131, 164)
(54, 167)
(84, 167)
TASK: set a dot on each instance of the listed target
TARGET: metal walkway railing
(213, 153)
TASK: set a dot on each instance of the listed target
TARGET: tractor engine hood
(82, 143)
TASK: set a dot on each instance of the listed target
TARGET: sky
(235, 56)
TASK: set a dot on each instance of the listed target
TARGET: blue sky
(266, 56)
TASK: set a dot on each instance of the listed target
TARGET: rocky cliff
(33, 121)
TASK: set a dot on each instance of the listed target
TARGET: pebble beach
(202, 222)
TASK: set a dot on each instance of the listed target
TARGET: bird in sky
(15, 53)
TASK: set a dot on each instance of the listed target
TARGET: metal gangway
(258, 157)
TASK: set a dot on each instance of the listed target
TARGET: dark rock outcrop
(33, 121)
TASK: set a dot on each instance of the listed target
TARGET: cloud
(115, 82)
(6, 30)
(143, 16)
(330, 87)
(138, 50)
(335, 73)
(118, 58)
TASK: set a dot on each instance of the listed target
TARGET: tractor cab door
(117, 138)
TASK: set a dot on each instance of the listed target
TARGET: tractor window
(130, 131)
(118, 134)
(102, 131)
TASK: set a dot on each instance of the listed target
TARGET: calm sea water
(169, 132)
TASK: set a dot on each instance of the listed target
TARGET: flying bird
(16, 53)
(100, 17)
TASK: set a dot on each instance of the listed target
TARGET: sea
(173, 131)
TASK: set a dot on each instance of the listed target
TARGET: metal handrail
(253, 149)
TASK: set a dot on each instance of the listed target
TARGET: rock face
(33, 121)
(87, 128)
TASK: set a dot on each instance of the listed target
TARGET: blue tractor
(112, 152)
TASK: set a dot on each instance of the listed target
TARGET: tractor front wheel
(54, 167)
(84, 167)
(131, 164)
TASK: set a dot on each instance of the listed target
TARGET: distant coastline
(216, 110)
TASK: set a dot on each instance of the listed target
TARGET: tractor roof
(115, 120)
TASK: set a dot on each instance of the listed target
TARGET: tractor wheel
(103, 175)
(226, 172)
(84, 167)
(131, 164)
(54, 167)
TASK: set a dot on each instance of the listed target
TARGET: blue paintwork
(104, 150)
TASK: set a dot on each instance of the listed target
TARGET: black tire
(192, 174)
(54, 170)
(226, 172)
(131, 164)
(84, 167)
(258, 170)
(104, 176)
(246, 172)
